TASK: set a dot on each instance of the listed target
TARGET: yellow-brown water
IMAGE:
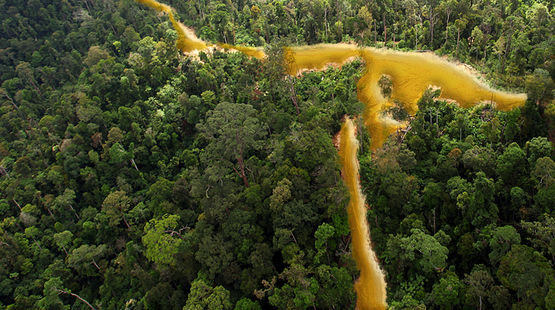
(186, 39)
(370, 286)
(411, 75)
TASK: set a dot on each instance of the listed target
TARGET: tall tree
(233, 132)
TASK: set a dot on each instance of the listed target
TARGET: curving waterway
(370, 286)
(411, 75)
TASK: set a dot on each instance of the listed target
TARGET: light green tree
(204, 297)
(447, 293)
(115, 205)
(161, 245)
(51, 299)
(63, 240)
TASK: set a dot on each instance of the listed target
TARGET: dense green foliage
(133, 177)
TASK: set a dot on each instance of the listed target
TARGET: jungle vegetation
(134, 177)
